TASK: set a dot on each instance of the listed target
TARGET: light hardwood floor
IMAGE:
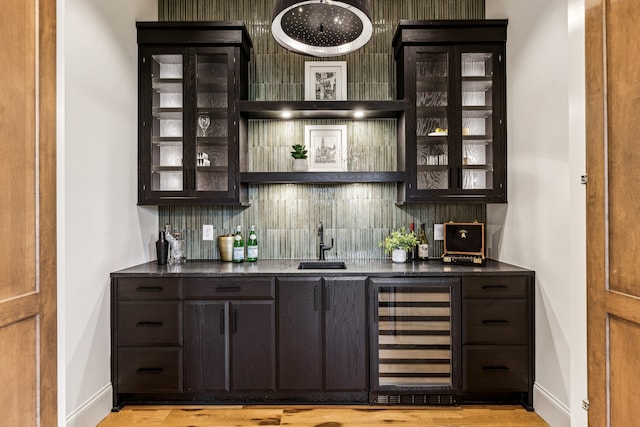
(322, 416)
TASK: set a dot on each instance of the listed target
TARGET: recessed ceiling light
(286, 114)
(358, 114)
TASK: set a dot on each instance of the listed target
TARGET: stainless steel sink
(322, 265)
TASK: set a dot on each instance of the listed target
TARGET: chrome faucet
(323, 249)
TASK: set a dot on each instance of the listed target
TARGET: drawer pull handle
(149, 289)
(496, 368)
(495, 322)
(228, 289)
(149, 324)
(149, 371)
(494, 287)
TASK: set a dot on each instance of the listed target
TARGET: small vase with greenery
(398, 243)
(299, 154)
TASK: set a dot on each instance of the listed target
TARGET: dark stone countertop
(289, 267)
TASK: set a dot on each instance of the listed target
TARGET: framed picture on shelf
(327, 145)
(325, 81)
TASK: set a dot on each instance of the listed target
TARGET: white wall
(543, 225)
(100, 227)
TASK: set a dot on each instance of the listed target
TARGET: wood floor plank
(364, 417)
(322, 416)
(224, 417)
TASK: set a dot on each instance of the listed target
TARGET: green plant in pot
(299, 154)
(398, 243)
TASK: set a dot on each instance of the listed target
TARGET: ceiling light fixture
(322, 28)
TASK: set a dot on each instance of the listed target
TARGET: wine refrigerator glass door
(166, 123)
(415, 341)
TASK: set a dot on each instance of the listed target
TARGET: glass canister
(178, 254)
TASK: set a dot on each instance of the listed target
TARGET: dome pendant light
(322, 28)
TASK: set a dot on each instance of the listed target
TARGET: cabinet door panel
(252, 331)
(300, 334)
(346, 330)
(205, 345)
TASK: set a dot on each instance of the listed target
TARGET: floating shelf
(319, 177)
(321, 109)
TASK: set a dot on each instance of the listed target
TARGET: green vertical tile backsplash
(357, 216)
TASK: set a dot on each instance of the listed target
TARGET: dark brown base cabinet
(322, 334)
(310, 339)
(228, 343)
(497, 338)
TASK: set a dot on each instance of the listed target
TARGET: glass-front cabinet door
(212, 130)
(165, 123)
(432, 121)
(453, 75)
(478, 121)
(191, 76)
(188, 131)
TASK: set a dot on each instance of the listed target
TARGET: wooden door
(613, 208)
(345, 334)
(206, 358)
(253, 345)
(28, 213)
(300, 333)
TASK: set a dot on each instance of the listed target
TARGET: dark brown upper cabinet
(191, 77)
(453, 74)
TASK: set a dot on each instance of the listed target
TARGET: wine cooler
(415, 341)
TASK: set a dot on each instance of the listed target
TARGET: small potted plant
(398, 243)
(299, 155)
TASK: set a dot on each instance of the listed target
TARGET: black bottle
(162, 249)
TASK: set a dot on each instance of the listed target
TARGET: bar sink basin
(322, 265)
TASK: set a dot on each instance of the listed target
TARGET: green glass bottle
(252, 245)
(238, 246)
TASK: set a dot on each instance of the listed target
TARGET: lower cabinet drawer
(230, 288)
(149, 370)
(495, 321)
(495, 368)
(149, 323)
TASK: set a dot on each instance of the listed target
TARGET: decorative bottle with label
(252, 245)
(413, 252)
(238, 246)
(423, 244)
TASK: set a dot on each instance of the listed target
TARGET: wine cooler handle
(222, 322)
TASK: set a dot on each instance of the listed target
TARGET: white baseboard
(93, 410)
(550, 409)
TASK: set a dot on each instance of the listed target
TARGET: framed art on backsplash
(325, 81)
(327, 146)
